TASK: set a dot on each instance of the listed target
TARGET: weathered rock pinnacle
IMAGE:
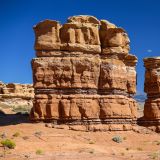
(151, 117)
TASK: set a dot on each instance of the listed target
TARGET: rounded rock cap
(106, 24)
(83, 19)
(152, 62)
(46, 23)
(151, 58)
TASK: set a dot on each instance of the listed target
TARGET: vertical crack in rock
(84, 75)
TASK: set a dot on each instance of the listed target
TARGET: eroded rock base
(153, 125)
(93, 112)
(87, 126)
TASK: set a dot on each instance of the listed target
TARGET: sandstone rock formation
(25, 90)
(84, 75)
(152, 88)
(13, 94)
(2, 85)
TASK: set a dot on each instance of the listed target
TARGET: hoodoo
(84, 75)
(151, 117)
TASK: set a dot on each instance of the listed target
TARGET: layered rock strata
(84, 75)
(152, 88)
(14, 94)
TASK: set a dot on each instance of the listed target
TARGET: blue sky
(140, 18)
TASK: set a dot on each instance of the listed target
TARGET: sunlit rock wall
(84, 74)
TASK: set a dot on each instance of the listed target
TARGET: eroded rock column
(84, 75)
(152, 88)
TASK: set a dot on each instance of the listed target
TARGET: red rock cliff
(84, 74)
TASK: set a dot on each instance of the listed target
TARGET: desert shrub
(124, 138)
(38, 133)
(8, 143)
(122, 154)
(154, 155)
(91, 142)
(3, 136)
(25, 137)
(139, 149)
(127, 149)
(91, 151)
(17, 134)
(39, 152)
(117, 139)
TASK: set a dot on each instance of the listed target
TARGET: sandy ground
(63, 144)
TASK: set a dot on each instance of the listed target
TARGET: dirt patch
(37, 142)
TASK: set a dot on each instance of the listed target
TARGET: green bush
(117, 139)
(8, 143)
(17, 134)
(39, 152)
(154, 156)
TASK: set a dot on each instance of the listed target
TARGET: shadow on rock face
(13, 119)
(2, 113)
